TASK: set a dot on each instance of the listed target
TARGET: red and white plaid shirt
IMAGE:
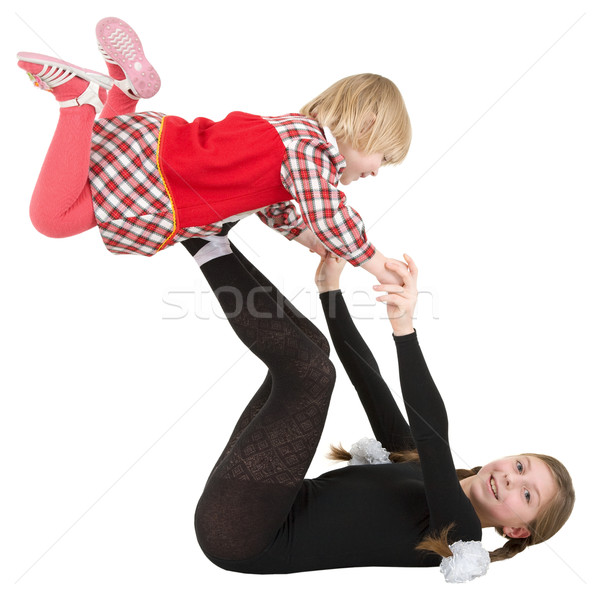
(310, 173)
(136, 214)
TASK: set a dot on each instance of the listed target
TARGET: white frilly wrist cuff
(469, 560)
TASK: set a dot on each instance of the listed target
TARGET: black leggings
(253, 485)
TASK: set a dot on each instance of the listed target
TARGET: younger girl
(258, 513)
(154, 180)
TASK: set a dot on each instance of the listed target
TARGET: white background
(121, 380)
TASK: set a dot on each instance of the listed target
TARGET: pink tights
(61, 204)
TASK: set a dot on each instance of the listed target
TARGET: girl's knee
(330, 370)
(327, 373)
(61, 226)
(321, 341)
(46, 226)
(236, 520)
(61, 214)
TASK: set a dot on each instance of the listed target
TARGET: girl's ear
(516, 532)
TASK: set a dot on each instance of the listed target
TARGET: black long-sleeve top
(375, 515)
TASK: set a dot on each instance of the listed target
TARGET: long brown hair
(548, 522)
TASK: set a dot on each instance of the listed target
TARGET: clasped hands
(399, 285)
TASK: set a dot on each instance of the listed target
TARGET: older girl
(258, 512)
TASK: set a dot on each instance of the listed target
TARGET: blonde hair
(368, 112)
(548, 522)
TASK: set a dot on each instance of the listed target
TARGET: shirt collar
(330, 138)
(340, 161)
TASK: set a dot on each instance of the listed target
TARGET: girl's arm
(309, 239)
(446, 500)
(387, 422)
(309, 174)
(376, 266)
(283, 218)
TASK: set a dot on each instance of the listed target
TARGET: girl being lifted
(153, 180)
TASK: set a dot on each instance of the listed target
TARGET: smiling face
(510, 493)
(358, 163)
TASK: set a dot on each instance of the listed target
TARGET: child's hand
(309, 239)
(377, 267)
(327, 276)
(400, 299)
(316, 246)
(388, 275)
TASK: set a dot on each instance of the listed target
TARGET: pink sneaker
(119, 44)
(55, 72)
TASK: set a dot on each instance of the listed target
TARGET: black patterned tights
(255, 481)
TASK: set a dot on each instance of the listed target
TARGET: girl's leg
(256, 480)
(252, 409)
(117, 104)
(193, 245)
(61, 203)
(309, 328)
(305, 325)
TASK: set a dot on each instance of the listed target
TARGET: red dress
(158, 179)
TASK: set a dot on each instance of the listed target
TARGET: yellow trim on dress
(164, 180)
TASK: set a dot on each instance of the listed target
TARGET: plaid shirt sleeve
(283, 218)
(310, 176)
